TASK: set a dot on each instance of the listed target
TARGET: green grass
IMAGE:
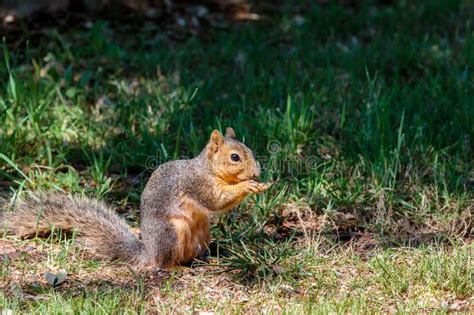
(313, 279)
(362, 116)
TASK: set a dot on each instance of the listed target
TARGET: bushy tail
(98, 227)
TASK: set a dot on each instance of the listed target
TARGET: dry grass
(317, 277)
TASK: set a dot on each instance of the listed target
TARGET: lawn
(361, 115)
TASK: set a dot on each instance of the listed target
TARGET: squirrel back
(174, 208)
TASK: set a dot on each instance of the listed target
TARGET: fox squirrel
(174, 208)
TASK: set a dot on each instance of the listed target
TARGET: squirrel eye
(235, 157)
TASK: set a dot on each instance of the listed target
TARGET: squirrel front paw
(255, 187)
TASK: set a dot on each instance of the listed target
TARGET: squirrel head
(230, 159)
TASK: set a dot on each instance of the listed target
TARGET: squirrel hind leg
(159, 243)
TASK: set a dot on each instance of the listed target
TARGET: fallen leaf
(56, 278)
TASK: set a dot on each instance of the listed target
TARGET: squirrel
(174, 208)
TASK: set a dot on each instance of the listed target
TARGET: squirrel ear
(229, 132)
(216, 140)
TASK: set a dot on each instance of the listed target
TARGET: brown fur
(98, 227)
(192, 230)
(173, 211)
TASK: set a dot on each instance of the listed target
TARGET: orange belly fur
(192, 231)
